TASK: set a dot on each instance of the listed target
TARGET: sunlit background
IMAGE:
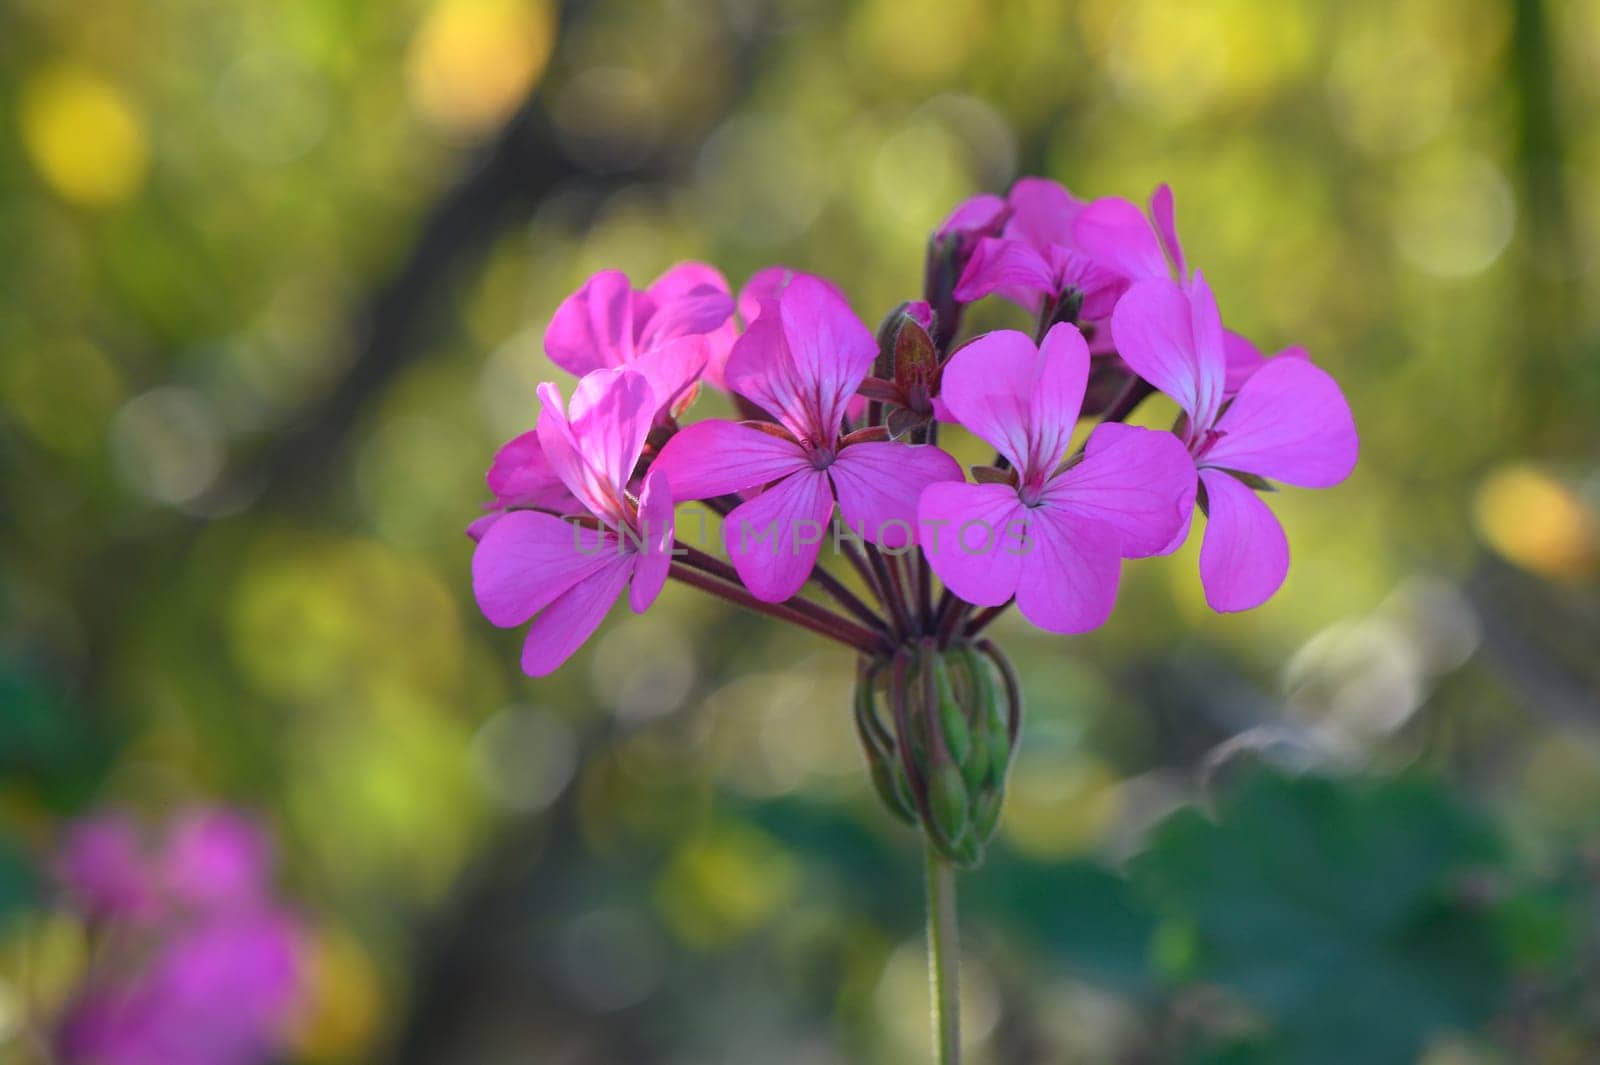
(273, 287)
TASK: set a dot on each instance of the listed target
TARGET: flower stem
(944, 959)
(887, 577)
(797, 611)
(985, 618)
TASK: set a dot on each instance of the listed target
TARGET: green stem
(944, 959)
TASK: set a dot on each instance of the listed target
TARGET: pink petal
(479, 526)
(762, 369)
(1069, 575)
(1164, 212)
(596, 445)
(593, 327)
(1100, 287)
(972, 535)
(831, 348)
(1010, 267)
(1291, 423)
(655, 529)
(1042, 213)
(1245, 556)
(855, 412)
(102, 863)
(673, 369)
(685, 278)
(1211, 358)
(713, 458)
(565, 624)
(528, 559)
(977, 215)
(769, 283)
(878, 485)
(216, 858)
(521, 476)
(774, 538)
(987, 386)
(1115, 233)
(1140, 482)
(1056, 396)
(704, 309)
(1173, 339)
(1243, 359)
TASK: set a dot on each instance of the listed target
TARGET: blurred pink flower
(216, 858)
(219, 992)
(568, 573)
(801, 360)
(1053, 536)
(102, 864)
(208, 970)
(1289, 422)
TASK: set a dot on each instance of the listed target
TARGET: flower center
(1203, 441)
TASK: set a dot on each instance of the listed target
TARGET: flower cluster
(196, 962)
(836, 447)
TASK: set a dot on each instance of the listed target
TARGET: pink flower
(216, 858)
(980, 216)
(1289, 422)
(660, 332)
(102, 865)
(1036, 260)
(210, 966)
(1056, 535)
(801, 361)
(1115, 233)
(766, 285)
(220, 991)
(569, 573)
(521, 478)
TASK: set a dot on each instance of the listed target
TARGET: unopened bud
(941, 754)
(947, 803)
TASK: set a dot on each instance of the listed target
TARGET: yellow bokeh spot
(1181, 59)
(906, 42)
(83, 135)
(725, 885)
(1538, 523)
(343, 1003)
(1055, 810)
(473, 61)
(63, 392)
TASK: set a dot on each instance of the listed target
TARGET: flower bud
(937, 732)
(947, 804)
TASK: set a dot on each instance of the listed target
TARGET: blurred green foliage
(275, 287)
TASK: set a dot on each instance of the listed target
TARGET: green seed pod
(976, 767)
(986, 813)
(883, 762)
(952, 722)
(947, 804)
(890, 786)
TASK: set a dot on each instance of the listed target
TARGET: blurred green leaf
(1335, 908)
(18, 882)
(1084, 915)
(45, 743)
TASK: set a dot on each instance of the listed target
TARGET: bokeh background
(273, 289)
